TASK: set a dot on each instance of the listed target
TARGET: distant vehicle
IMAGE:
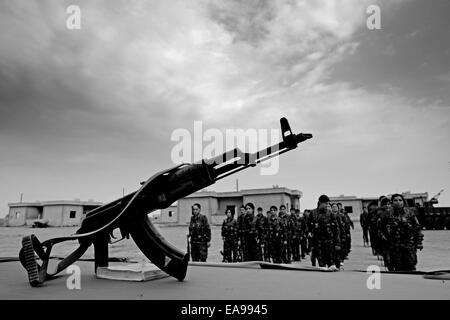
(41, 223)
(434, 218)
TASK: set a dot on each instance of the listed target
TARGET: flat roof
(54, 203)
(244, 192)
(24, 204)
(407, 195)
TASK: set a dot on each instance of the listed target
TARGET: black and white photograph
(219, 156)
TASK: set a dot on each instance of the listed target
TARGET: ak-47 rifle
(129, 213)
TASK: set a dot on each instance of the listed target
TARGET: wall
(66, 220)
(165, 218)
(356, 204)
(33, 213)
(214, 207)
(295, 202)
(59, 215)
(54, 215)
(12, 220)
(217, 219)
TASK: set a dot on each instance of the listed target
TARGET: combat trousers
(402, 259)
(326, 254)
(365, 236)
(250, 249)
(295, 246)
(275, 250)
(199, 251)
(230, 250)
(304, 247)
(266, 251)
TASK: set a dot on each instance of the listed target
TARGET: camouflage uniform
(304, 237)
(296, 231)
(346, 237)
(240, 226)
(313, 241)
(365, 228)
(447, 221)
(250, 237)
(275, 237)
(403, 233)
(286, 234)
(230, 239)
(372, 218)
(328, 237)
(200, 235)
(339, 254)
(384, 214)
(261, 233)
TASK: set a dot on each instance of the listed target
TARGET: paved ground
(222, 283)
(434, 256)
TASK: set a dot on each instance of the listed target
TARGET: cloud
(158, 61)
(109, 95)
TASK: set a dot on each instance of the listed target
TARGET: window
(348, 209)
(17, 215)
(170, 214)
(73, 214)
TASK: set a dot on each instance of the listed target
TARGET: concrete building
(354, 205)
(57, 213)
(214, 204)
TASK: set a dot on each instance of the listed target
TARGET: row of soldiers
(282, 238)
(331, 234)
(394, 231)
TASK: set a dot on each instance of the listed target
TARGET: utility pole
(237, 185)
(21, 197)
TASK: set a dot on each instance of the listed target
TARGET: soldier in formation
(250, 235)
(372, 223)
(261, 233)
(286, 235)
(323, 233)
(298, 234)
(199, 234)
(275, 235)
(364, 226)
(230, 238)
(240, 224)
(395, 232)
(401, 234)
(326, 245)
(346, 236)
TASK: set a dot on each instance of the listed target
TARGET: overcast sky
(85, 113)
